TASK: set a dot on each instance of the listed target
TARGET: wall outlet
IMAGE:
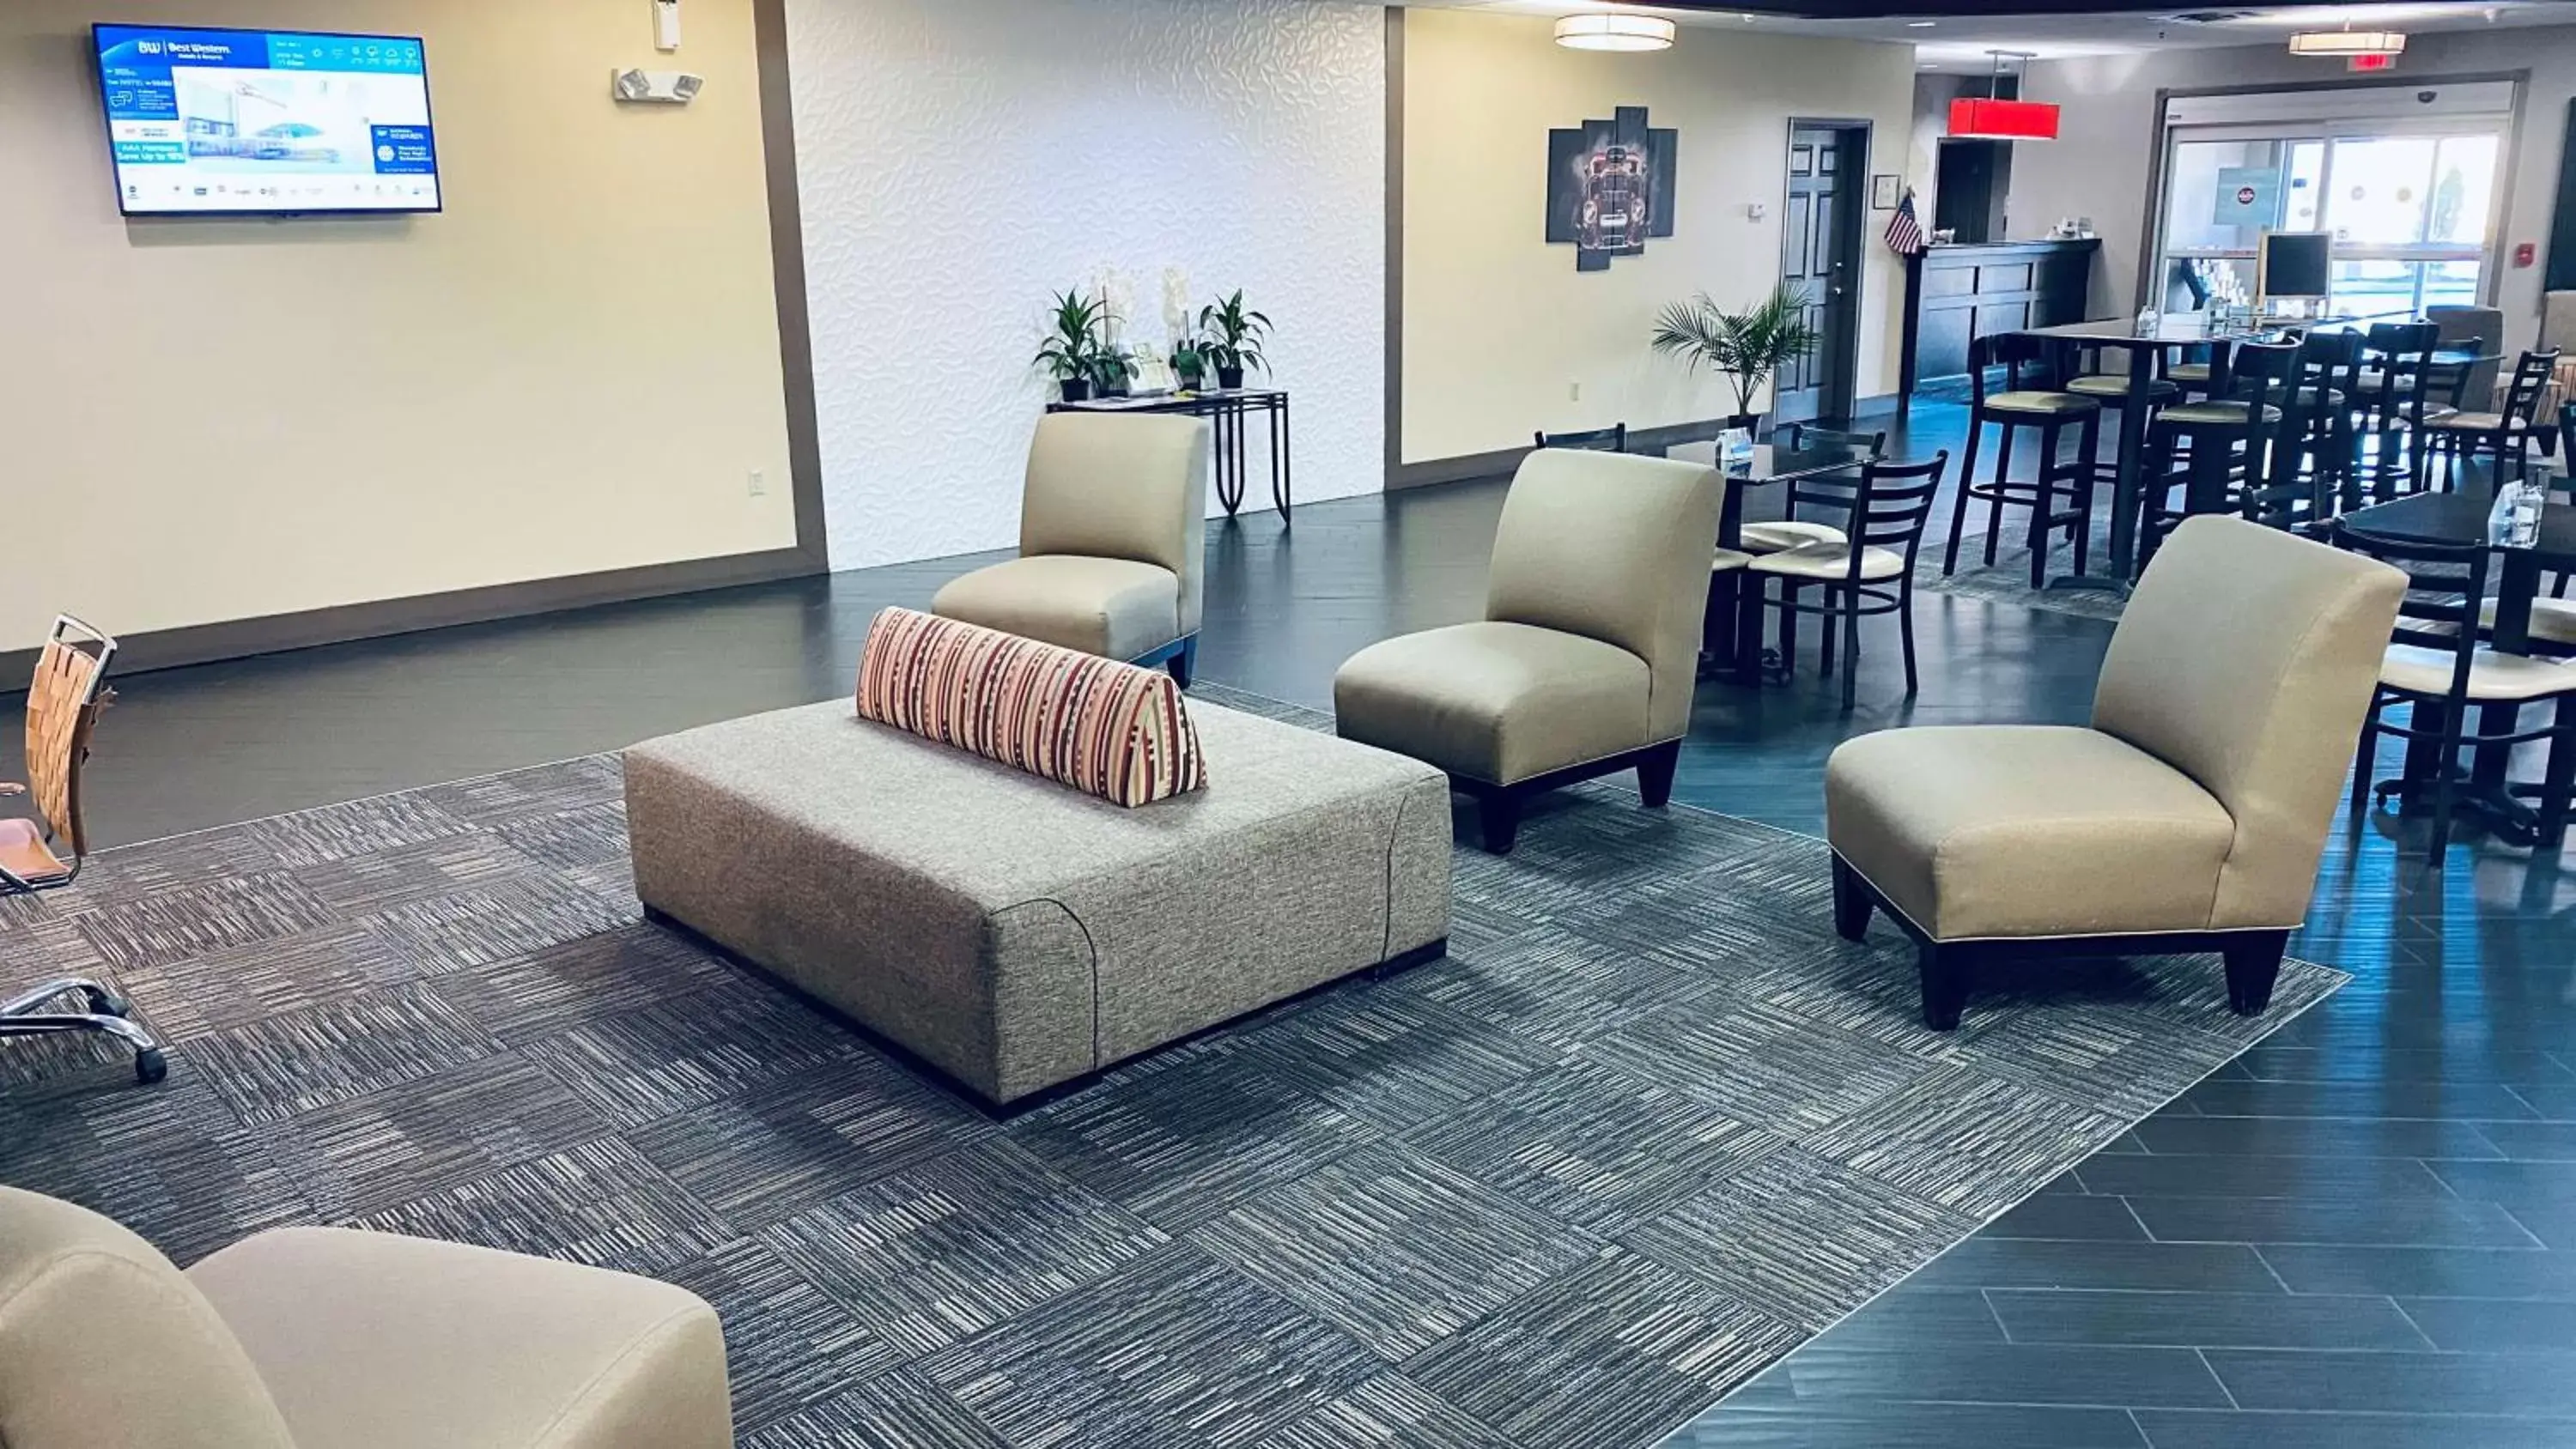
(1574, 392)
(759, 481)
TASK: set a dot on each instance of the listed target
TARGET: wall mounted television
(259, 122)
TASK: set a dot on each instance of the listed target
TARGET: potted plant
(1231, 337)
(1189, 364)
(1746, 347)
(1112, 368)
(1071, 352)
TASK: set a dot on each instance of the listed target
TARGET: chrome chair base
(22, 1015)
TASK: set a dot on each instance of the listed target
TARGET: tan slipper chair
(1584, 662)
(2189, 818)
(323, 1338)
(1113, 523)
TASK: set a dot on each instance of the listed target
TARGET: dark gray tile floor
(2403, 1156)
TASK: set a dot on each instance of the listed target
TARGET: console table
(1228, 409)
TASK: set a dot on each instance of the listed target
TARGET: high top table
(2142, 347)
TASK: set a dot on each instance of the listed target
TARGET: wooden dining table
(2462, 519)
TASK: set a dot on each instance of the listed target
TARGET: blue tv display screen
(252, 121)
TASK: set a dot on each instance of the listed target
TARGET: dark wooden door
(1820, 259)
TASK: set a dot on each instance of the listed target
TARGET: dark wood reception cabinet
(1955, 294)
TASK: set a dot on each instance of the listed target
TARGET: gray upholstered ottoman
(1018, 934)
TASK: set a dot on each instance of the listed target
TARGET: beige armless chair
(1113, 523)
(1584, 662)
(2189, 818)
(321, 1338)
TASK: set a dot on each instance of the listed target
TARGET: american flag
(1905, 230)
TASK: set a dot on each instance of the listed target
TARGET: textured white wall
(961, 159)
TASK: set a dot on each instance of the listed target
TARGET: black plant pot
(1074, 389)
(1751, 423)
(1190, 381)
(1229, 378)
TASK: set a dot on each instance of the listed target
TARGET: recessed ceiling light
(2347, 42)
(1920, 24)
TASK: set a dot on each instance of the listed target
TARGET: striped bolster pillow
(1105, 728)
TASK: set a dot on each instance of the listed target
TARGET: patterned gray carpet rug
(2007, 579)
(1650, 1126)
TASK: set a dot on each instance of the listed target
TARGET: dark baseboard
(276, 633)
(1503, 461)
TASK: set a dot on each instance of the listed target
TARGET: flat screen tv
(235, 122)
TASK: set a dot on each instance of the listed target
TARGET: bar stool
(2300, 482)
(2015, 407)
(2259, 380)
(2464, 435)
(2330, 383)
(2392, 402)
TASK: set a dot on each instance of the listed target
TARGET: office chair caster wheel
(108, 1003)
(150, 1066)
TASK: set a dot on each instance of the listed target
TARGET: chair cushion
(2492, 676)
(2460, 422)
(2041, 402)
(1105, 728)
(1831, 561)
(1493, 701)
(2026, 830)
(2213, 414)
(1113, 607)
(24, 854)
(2105, 384)
(2553, 621)
(2188, 372)
(378, 1341)
(2329, 396)
(1789, 533)
(1725, 559)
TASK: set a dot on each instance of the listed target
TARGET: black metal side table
(1228, 409)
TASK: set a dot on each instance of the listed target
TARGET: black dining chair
(2394, 397)
(1886, 508)
(2437, 665)
(2300, 485)
(2060, 494)
(1791, 530)
(2508, 433)
(1612, 439)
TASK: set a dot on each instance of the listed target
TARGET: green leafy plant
(1073, 343)
(1112, 368)
(1232, 335)
(1747, 347)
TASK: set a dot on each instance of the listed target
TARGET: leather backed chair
(1587, 655)
(1113, 524)
(64, 702)
(2189, 817)
(326, 1338)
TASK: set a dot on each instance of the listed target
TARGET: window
(2411, 208)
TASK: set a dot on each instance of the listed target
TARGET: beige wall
(2099, 166)
(574, 369)
(1499, 328)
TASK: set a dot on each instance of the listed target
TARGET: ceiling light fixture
(1992, 118)
(1920, 24)
(1614, 32)
(2347, 42)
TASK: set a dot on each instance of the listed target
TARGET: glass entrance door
(2411, 210)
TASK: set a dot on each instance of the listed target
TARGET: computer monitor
(2293, 266)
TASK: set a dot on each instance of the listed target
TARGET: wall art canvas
(1609, 186)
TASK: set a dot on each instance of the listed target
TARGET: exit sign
(2372, 62)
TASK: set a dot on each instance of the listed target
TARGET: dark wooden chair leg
(2253, 964)
(1655, 774)
(1499, 813)
(1851, 643)
(1959, 499)
(1995, 503)
(1945, 984)
(1851, 902)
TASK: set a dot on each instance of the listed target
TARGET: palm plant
(1231, 337)
(1746, 347)
(1071, 352)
